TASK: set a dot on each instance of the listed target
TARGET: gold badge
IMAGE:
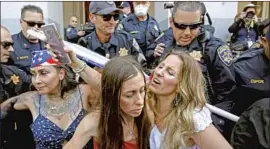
(123, 52)
(196, 55)
(15, 79)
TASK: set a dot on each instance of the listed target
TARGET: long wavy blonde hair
(191, 95)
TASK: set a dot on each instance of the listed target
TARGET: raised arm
(84, 132)
(88, 74)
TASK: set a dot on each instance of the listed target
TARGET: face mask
(141, 10)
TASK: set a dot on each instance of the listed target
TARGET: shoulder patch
(135, 44)
(255, 45)
(225, 55)
(120, 27)
(156, 28)
(68, 29)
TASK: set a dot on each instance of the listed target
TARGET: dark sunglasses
(185, 26)
(32, 24)
(6, 44)
(108, 17)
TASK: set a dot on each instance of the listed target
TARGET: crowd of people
(44, 105)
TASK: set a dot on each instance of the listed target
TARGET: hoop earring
(177, 100)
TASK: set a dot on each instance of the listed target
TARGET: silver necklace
(70, 105)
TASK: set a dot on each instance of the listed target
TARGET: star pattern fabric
(42, 58)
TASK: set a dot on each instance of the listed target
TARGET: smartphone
(56, 43)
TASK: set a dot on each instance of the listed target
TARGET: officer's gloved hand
(82, 41)
(159, 50)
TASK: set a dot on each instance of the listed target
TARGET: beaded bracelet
(81, 69)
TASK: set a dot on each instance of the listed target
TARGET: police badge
(123, 52)
(15, 79)
(225, 55)
(197, 55)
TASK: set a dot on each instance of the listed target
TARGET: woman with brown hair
(121, 120)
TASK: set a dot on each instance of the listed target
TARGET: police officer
(15, 131)
(71, 32)
(142, 26)
(31, 18)
(252, 77)
(255, 85)
(105, 40)
(125, 7)
(213, 54)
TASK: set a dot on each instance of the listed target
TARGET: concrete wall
(162, 15)
(222, 15)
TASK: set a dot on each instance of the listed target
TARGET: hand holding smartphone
(56, 43)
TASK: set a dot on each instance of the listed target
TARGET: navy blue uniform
(15, 130)
(252, 77)
(71, 34)
(122, 16)
(22, 55)
(120, 44)
(145, 32)
(216, 67)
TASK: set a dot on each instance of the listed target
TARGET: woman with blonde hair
(177, 98)
(176, 105)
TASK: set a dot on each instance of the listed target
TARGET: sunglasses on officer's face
(6, 44)
(32, 24)
(108, 17)
(185, 26)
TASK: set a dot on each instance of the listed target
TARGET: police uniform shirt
(71, 33)
(120, 44)
(21, 57)
(252, 77)
(15, 130)
(145, 32)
